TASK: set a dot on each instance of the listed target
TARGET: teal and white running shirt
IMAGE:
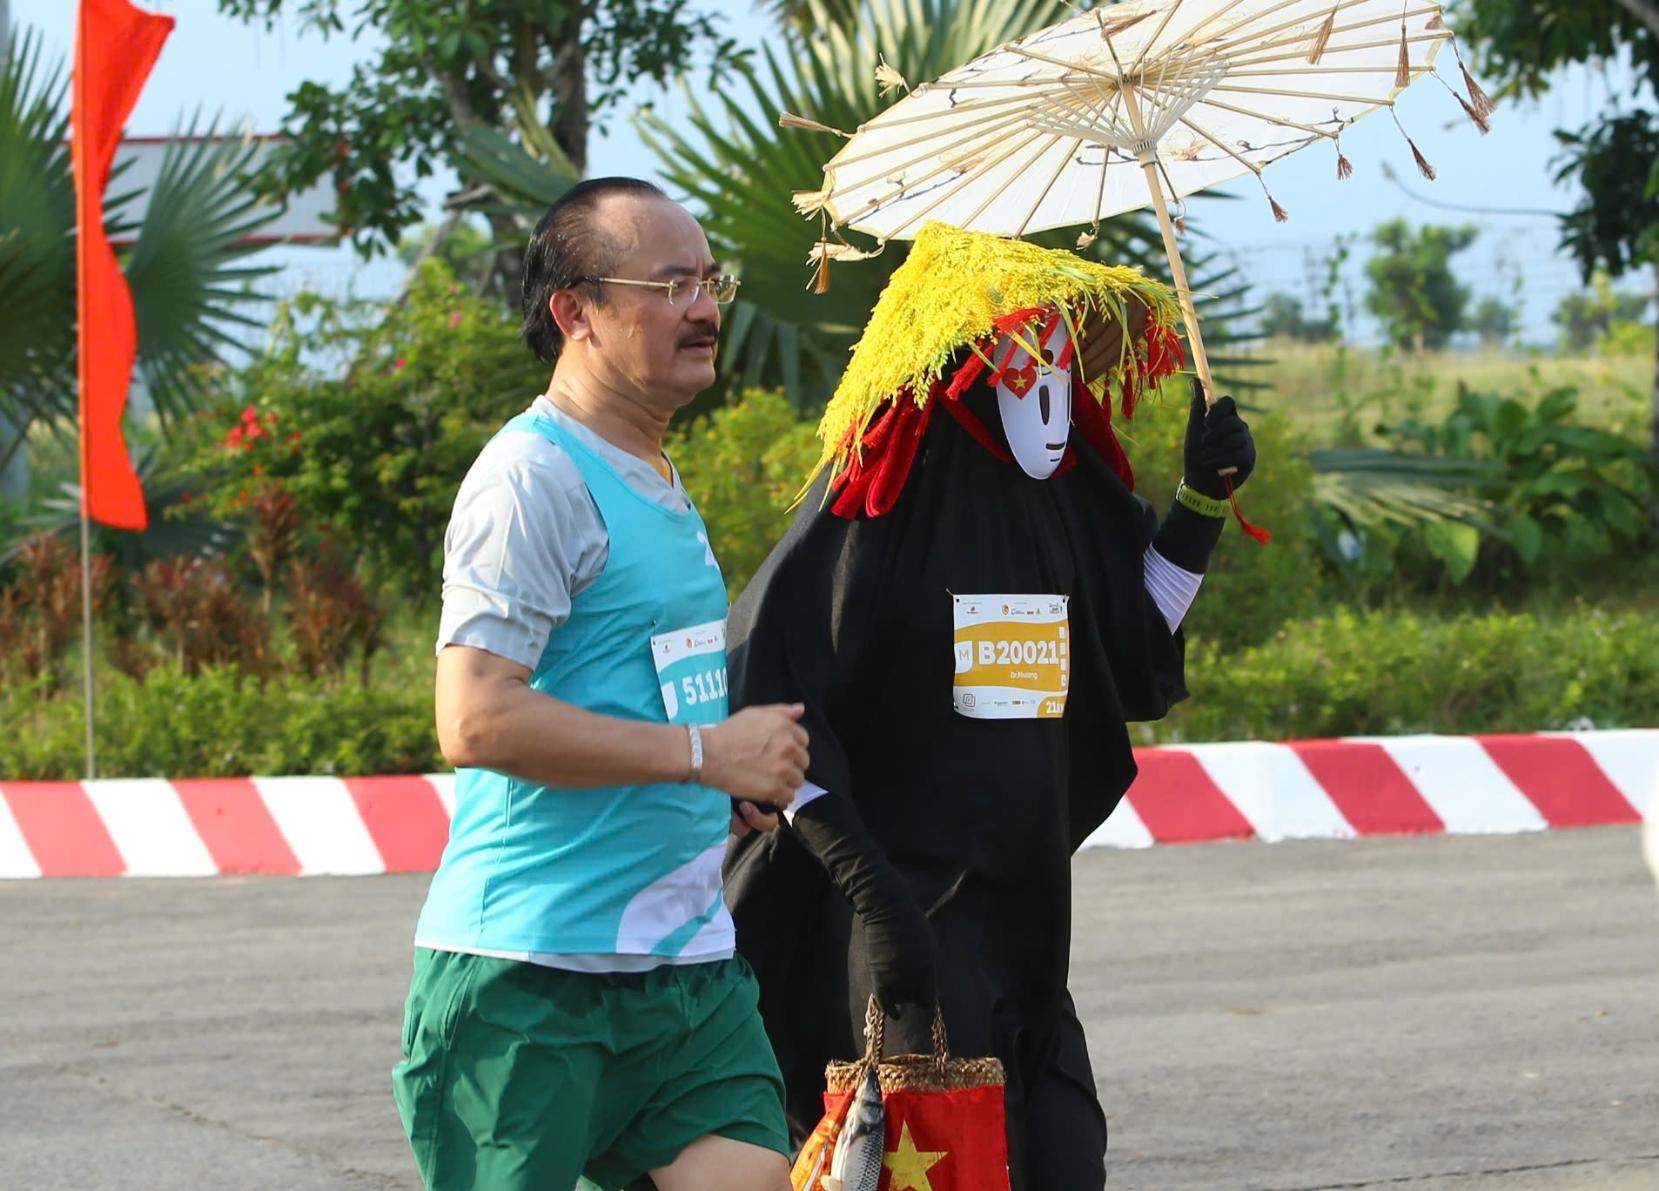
(606, 879)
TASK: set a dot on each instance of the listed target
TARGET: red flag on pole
(115, 47)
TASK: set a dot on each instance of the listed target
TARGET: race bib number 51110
(1013, 656)
(691, 671)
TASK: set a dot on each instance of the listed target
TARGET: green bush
(743, 465)
(1386, 673)
(1348, 673)
(1563, 496)
(372, 450)
(219, 723)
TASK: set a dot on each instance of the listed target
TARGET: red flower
(455, 318)
(293, 436)
(399, 364)
(250, 414)
(234, 438)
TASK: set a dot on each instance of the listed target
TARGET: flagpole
(86, 619)
(78, 84)
(88, 683)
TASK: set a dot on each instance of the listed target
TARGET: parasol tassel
(1279, 212)
(1423, 165)
(809, 202)
(1180, 222)
(1085, 240)
(822, 280)
(1323, 37)
(1434, 22)
(888, 79)
(790, 120)
(1479, 100)
(1344, 167)
(1481, 121)
(1402, 73)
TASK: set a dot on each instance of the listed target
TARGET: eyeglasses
(722, 289)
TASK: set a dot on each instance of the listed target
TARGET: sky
(220, 65)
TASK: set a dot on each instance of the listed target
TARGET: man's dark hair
(566, 248)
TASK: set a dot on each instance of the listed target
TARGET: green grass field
(1328, 388)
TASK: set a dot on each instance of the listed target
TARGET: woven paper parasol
(1123, 106)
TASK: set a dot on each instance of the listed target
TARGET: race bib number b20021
(1013, 656)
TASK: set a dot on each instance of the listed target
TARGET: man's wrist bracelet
(1205, 506)
(696, 738)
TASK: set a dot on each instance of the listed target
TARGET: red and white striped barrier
(1331, 789)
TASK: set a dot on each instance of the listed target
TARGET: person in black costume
(929, 855)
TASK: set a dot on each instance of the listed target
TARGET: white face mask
(1037, 420)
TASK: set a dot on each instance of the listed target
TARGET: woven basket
(937, 1072)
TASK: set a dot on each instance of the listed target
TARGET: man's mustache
(702, 335)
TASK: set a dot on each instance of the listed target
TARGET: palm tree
(188, 284)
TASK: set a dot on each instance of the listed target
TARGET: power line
(1388, 172)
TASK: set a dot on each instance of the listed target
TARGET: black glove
(1216, 438)
(898, 942)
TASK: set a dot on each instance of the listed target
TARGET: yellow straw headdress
(949, 294)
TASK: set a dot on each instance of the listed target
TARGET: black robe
(854, 619)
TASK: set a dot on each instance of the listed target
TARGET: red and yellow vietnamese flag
(115, 47)
(951, 1140)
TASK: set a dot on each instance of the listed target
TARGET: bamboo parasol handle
(1177, 267)
(1178, 270)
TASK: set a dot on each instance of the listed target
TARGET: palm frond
(526, 182)
(1371, 486)
(37, 246)
(175, 525)
(187, 284)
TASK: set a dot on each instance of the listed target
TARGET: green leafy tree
(536, 73)
(1283, 316)
(1616, 156)
(371, 455)
(1493, 321)
(1412, 288)
(190, 285)
(1587, 317)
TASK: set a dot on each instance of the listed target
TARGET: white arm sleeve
(803, 796)
(1172, 588)
(524, 539)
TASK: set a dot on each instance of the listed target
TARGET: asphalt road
(1420, 1013)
